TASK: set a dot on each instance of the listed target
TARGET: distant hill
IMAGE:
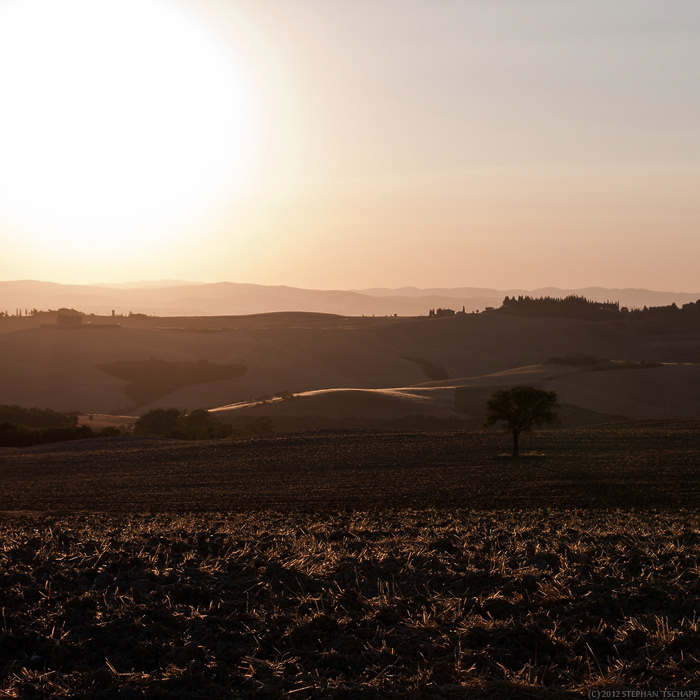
(629, 297)
(228, 298)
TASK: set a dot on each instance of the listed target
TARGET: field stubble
(352, 565)
(400, 603)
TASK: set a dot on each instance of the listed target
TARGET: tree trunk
(515, 443)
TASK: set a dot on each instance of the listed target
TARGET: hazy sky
(352, 143)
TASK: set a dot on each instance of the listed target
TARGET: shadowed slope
(58, 368)
(588, 395)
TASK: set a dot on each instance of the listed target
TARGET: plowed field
(630, 465)
(353, 565)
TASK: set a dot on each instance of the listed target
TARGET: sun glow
(122, 122)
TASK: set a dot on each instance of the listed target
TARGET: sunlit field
(352, 564)
(400, 603)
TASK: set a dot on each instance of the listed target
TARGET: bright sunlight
(122, 122)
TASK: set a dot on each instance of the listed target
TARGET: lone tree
(521, 409)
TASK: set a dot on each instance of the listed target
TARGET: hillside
(417, 363)
(587, 396)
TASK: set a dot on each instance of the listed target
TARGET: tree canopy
(521, 408)
(572, 306)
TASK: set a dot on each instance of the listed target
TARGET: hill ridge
(227, 298)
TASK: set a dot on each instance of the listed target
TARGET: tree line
(26, 427)
(575, 306)
(571, 306)
(199, 424)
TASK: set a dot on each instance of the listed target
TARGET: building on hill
(438, 313)
(68, 317)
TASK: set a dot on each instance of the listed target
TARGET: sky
(351, 144)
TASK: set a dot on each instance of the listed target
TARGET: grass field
(353, 565)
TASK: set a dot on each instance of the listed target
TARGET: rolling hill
(338, 367)
(587, 396)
